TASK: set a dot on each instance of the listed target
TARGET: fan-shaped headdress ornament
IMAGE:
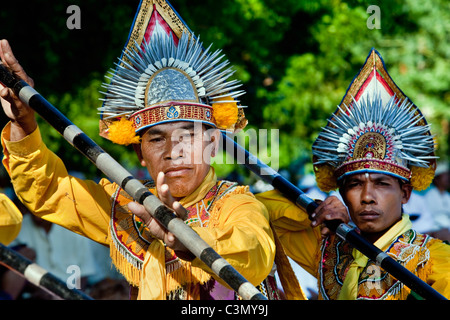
(376, 128)
(165, 74)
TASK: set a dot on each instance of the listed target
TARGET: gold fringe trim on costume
(128, 267)
(179, 273)
(182, 275)
(127, 246)
(182, 279)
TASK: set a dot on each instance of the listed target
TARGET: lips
(369, 215)
(176, 171)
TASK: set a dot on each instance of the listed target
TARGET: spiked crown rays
(406, 143)
(165, 74)
(126, 92)
(376, 128)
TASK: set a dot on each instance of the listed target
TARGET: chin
(368, 227)
(178, 189)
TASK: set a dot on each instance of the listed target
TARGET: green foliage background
(296, 59)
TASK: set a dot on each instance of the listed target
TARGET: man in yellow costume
(375, 148)
(168, 97)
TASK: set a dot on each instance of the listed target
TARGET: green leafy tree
(295, 58)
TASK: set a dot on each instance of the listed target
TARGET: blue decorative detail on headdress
(172, 113)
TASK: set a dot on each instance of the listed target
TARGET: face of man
(182, 151)
(374, 201)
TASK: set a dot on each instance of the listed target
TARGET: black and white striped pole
(117, 173)
(298, 197)
(38, 276)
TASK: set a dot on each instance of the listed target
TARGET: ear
(341, 188)
(138, 151)
(406, 192)
(215, 138)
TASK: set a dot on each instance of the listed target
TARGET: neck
(372, 237)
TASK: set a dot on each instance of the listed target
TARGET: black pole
(114, 170)
(343, 230)
(38, 276)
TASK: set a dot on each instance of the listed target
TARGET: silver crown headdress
(165, 75)
(376, 128)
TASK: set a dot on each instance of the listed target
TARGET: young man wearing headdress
(164, 97)
(375, 148)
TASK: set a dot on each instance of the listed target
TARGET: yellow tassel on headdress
(421, 178)
(325, 178)
(225, 113)
(122, 132)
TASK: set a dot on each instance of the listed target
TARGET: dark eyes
(187, 136)
(355, 184)
(156, 139)
(184, 137)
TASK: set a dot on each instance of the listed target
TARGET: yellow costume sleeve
(42, 183)
(300, 241)
(10, 220)
(439, 278)
(239, 231)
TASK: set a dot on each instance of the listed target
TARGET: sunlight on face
(182, 150)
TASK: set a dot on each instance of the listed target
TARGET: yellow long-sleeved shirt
(242, 234)
(330, 260)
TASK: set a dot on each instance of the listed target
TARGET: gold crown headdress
(376, 128)
(166, 75)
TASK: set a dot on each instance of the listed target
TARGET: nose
(368, 193)
(174, 149)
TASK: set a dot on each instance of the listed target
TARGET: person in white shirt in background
(419, 212)
(438, 202)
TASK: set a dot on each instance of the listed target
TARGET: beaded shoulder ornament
(409, 249)
(131, 238)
